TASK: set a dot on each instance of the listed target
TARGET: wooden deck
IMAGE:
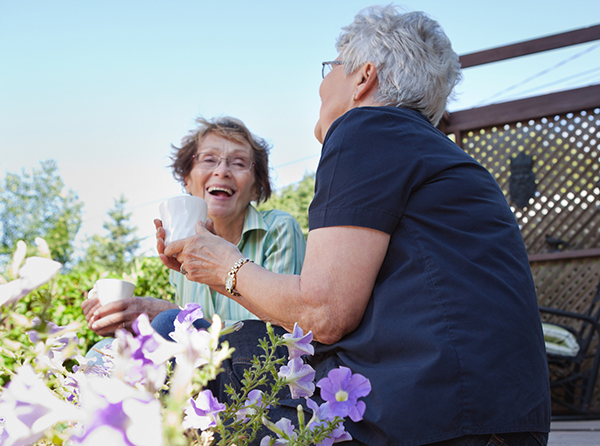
(575, 433)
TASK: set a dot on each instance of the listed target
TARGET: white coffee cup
(179, 216)
(111, 290)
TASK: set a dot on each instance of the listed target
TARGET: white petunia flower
(29, 408)
(33, 274)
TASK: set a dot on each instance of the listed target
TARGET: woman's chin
(220, 211)
(318, 131)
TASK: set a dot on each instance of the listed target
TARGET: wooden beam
(565, 255)
(522, 109)
(531, 46)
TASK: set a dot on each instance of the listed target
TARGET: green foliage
(116, 251)
(35, 205)
(294, 199)
(69, 290)
(151, 278)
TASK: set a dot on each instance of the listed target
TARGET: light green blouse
(273, 239)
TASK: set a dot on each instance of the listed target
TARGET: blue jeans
(95, 355)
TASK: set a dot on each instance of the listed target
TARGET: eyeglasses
(328, 66)
(210, 161)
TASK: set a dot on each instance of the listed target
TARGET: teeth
(220, 189)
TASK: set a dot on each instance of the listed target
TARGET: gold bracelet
(230, 280)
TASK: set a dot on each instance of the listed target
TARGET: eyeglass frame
(195, 158)
(330, 63)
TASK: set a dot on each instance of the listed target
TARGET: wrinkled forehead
(229, 144)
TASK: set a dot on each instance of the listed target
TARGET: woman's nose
(222, 168)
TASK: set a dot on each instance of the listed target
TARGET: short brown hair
(234, 130)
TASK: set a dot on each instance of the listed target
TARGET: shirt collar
(253, 221)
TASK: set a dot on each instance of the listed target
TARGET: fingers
(114, 315)
(175, 247)
(89, 307)
(108, 325)
(160, 237)
(170, 262)
(210, 226)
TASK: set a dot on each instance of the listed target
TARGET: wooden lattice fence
(566, 165)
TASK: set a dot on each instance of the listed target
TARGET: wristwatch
(230, 280)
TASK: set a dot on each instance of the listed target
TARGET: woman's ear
(367, 85)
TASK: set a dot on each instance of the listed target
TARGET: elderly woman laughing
(222, 162)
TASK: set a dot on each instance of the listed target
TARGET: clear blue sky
(105, 87)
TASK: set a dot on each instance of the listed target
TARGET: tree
(116, 251)
(294, 199)
(36, 205)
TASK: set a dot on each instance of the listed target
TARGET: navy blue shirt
(451, 338)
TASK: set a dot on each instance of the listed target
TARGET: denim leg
(246, 344)
(245, 341)
(97, 356)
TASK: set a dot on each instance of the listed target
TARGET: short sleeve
(367, 171)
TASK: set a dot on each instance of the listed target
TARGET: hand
(106, 319)
(89, 306)
(169, 261)
(206, 257)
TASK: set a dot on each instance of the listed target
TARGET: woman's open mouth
(220, 191)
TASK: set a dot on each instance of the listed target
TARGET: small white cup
(179, 216)
(111, 290)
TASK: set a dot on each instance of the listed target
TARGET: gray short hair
(416, 65)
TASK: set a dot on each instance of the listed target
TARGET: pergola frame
(530, 108)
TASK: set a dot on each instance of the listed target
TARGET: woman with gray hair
(416, 275)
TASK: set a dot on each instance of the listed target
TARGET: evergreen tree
(116, 251)
(36, 205)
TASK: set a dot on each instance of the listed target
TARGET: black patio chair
(573, 378)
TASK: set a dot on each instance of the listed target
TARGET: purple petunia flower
(338, 435)
(254, 400)
(29, 408)
(53, 349)
(58, 344)
(283, 428)
(298, 343)
(141, 359)
(193, 344)
(342, 389)
(299, 377)
(321, 414)
(3, 433)
(190, 314)
(202, 413)
(117, 414)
